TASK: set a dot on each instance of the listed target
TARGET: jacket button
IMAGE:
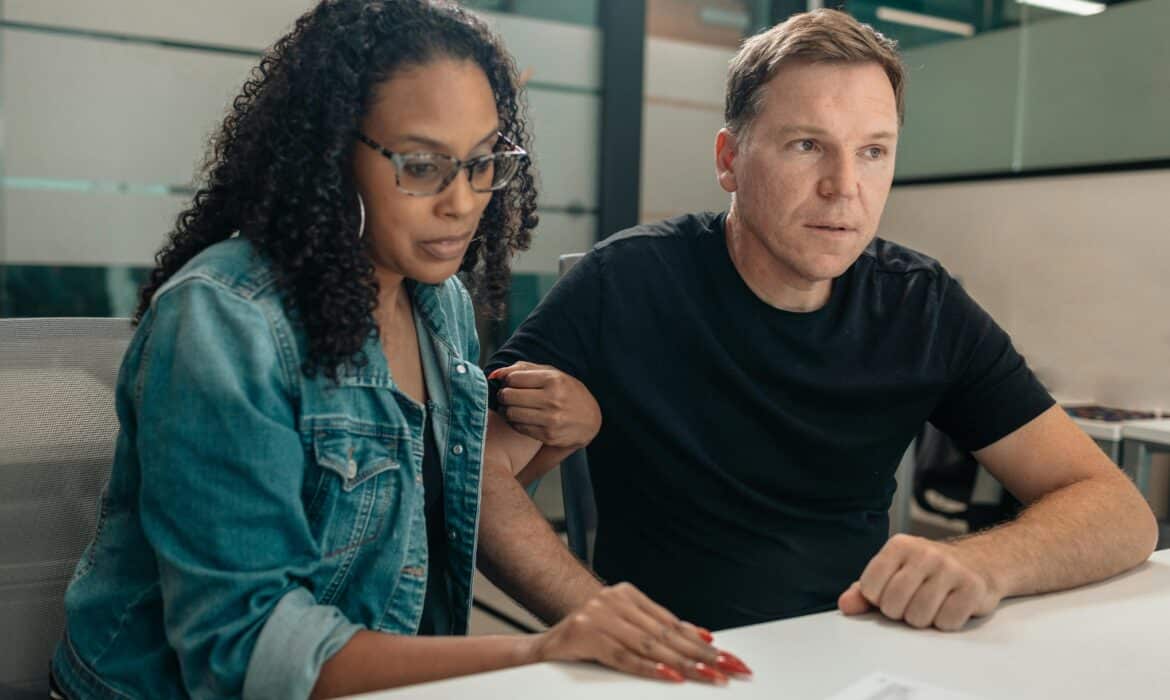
(461, 368)
(451, 535)
(458, 449)
(351, 469)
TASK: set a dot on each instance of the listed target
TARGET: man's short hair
(819, 36)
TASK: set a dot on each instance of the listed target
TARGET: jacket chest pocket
(359, 492)
(354, 458)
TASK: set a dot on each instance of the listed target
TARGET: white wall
(83, 116)
(1077, 269)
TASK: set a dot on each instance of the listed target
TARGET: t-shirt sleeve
(563, 329)
(992, 391)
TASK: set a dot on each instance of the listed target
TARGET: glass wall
(998, 87)
(557, 46)
(107, 110)
(106, 113)
(916, 23)
(572, 11)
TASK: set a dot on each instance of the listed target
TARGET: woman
(295, 492)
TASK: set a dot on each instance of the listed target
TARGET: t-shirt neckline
(727, 274)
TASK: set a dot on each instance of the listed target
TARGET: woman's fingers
(697, 639)
(657, 645)
(623, 629)
(618, 656)
(702, 661)
(689, 640)
(587, 635)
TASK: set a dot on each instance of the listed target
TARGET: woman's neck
(393, 300)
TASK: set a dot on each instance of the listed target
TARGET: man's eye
(805, 145)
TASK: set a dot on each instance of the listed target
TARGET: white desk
(1108, 431)
(1108, 640)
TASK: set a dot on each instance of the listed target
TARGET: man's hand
(923, 583)
(548, 405)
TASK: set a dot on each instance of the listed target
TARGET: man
(760, 373)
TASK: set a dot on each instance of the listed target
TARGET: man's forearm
(521, 554)
(1084, 532)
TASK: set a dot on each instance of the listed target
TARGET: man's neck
(771, 279)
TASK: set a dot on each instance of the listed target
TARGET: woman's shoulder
(229, 281)
(233, 265)
(225, 291)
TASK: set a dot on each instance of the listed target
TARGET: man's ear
(726, 150)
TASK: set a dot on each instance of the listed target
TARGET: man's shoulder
(886, 257)
(659, 235)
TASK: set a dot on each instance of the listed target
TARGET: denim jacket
(256, 519)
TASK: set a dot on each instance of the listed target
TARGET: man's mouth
(830, 227)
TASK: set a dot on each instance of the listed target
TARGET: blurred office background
(1034, 162)
(1035, 159)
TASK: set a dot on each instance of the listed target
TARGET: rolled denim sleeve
(284, 637)
(220, 500)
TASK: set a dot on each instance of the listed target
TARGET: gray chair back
(576, 484)
(57, 433)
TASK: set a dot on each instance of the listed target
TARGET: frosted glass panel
(111, 111)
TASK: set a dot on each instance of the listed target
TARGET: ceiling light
(915, 19)
(1073, 7)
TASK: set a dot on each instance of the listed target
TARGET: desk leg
(904, 493)
(1142, 475)
(1115, 453)
(987, 491)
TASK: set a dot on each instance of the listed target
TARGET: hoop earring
(362, 214)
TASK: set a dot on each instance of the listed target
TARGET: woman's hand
(623, 629)
(546, 404)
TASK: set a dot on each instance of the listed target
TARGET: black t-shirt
(436, 613)
(745, 463)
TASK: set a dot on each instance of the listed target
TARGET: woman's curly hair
(279, 171)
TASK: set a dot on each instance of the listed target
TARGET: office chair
(576, 484)
(58, 427)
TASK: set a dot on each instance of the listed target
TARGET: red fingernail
(706, 634)
(732, 664)
(710, 674)
(667, 673)
(495, 373)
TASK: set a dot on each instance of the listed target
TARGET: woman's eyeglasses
(425, 174)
